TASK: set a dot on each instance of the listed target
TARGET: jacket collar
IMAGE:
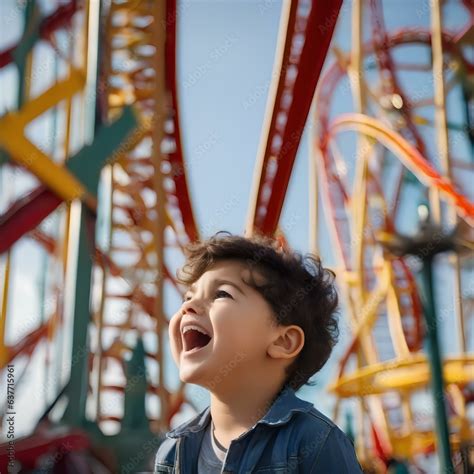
(284, 407)
(281, 411)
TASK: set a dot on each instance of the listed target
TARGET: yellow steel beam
(441, 127)
(3, 310)
(406, 374)
(406, 445)
(409, 444)
(394, 315)
(13, 140)
(366, 316)
(54, 95)
(57, 178)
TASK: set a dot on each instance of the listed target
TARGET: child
(256, 323)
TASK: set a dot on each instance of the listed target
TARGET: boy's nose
(193, 306)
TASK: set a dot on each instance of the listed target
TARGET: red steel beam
(28, 211)
(45, 442)
(308, 36)
(25, 214)
(391, 82)
(60, 18)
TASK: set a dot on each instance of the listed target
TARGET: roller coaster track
(149, 82)
(305, 33)
(380, 291)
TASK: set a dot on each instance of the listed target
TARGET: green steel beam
(87, 165)
(426, 244)
(436, 368)
(78, 386)
(134, 416)
(29, 38)
(109, 142)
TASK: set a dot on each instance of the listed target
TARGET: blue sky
(224, 75)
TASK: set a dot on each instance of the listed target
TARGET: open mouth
(194, 338)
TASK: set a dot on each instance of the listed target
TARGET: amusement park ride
(109, 203)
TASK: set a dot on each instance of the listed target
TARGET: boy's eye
(223, 294)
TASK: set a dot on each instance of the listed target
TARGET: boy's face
(223, 328)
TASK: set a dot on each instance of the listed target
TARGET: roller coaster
(104, 204)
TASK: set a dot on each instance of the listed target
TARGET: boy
(256, 323)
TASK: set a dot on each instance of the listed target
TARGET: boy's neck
(236, 411)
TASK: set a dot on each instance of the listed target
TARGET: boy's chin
(197, 377)
(191, 375)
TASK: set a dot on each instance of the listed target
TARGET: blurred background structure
(363, 115)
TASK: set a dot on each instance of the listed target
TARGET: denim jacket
(293, 437)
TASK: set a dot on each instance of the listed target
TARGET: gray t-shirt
(211, 456)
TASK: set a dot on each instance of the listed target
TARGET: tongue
(195, 339)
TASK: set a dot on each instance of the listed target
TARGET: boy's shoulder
(316, 421)
(315, 427)
(327, 443)
(291, 410)
(319, 419)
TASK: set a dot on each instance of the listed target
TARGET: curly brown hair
(298, 288)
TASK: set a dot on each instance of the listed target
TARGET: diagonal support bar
(110, 143)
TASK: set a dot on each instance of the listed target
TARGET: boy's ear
(288, 343)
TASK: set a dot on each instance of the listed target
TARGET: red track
(309, 32)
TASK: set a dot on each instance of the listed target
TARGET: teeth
(196, 328)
